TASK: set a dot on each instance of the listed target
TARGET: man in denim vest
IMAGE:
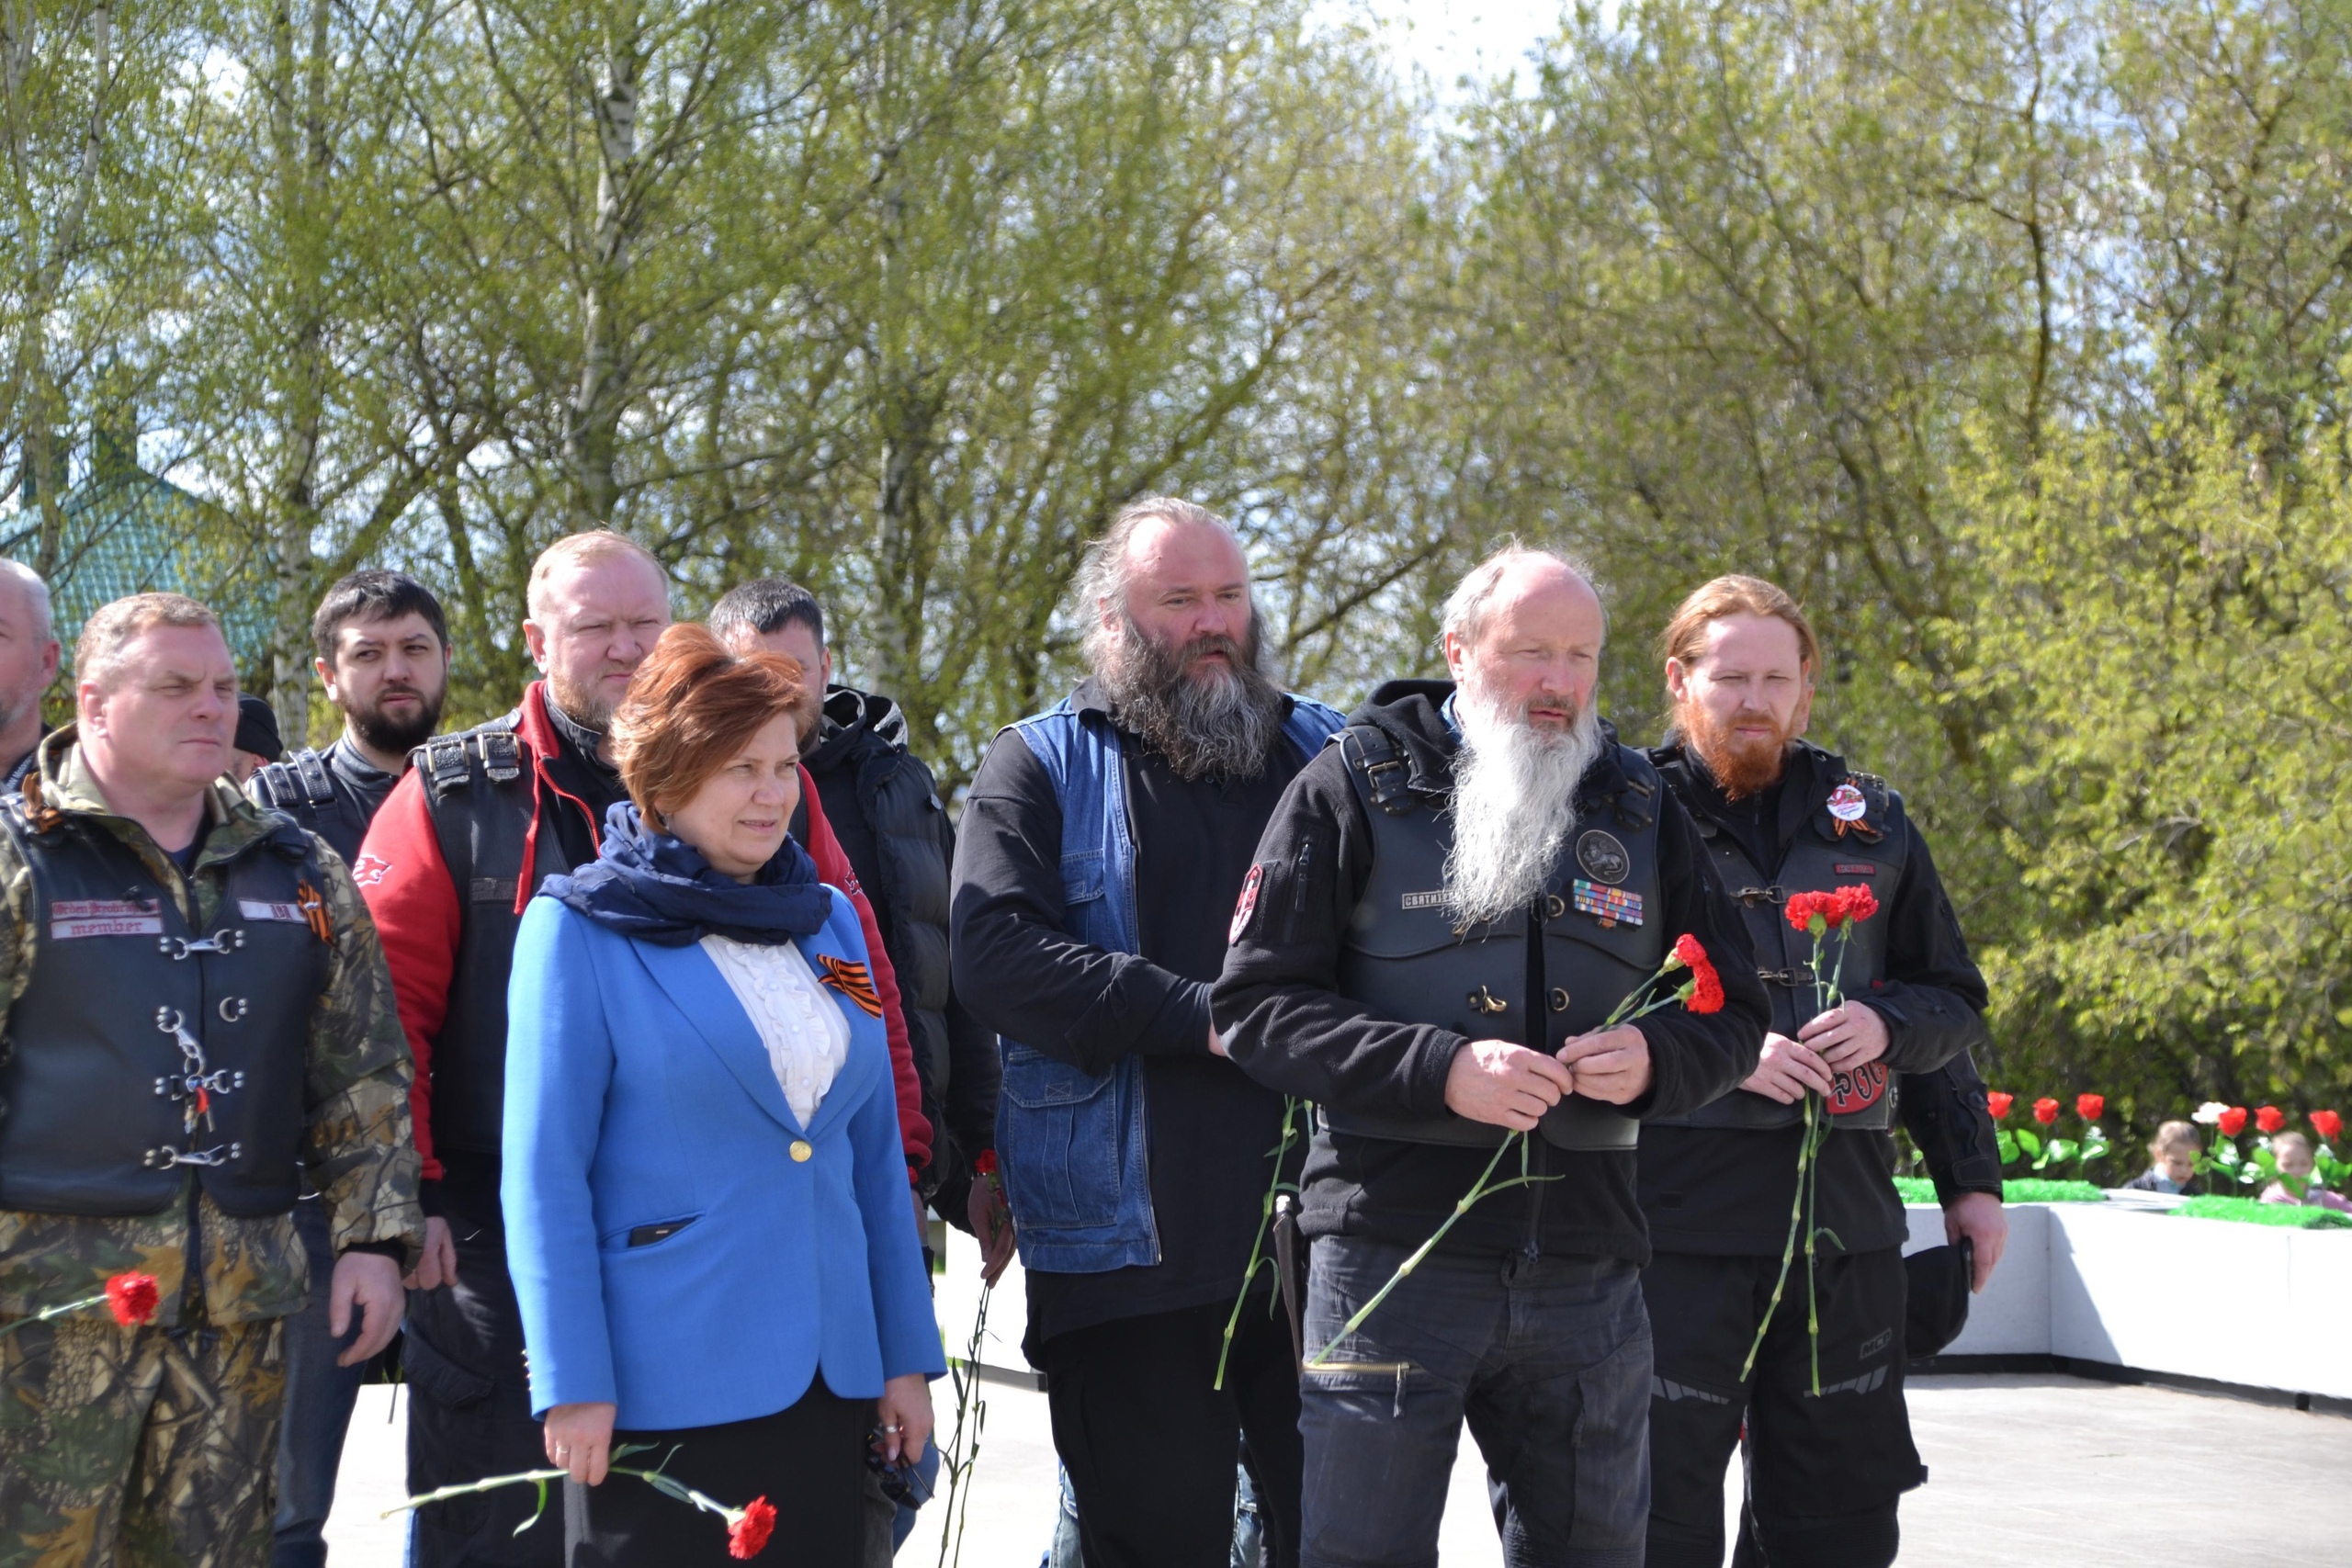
(1098, 862)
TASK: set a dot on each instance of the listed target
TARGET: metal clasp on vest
(1791, 977)
(1486, 1001)
(165, 1157)
(200, 1082)
(1776, 894)
(225, 939)
(233, 1008)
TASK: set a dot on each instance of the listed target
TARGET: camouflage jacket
(357, 1150)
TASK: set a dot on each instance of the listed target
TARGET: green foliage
(2253, 1212)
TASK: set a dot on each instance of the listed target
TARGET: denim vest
(1071, 1146)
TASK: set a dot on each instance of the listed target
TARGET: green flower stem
(46, 1314)
(1257, 1243)
(668, 1486)
(957, 1458)
(1478, 1189)
(1789, 1251)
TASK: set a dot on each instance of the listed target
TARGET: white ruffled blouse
(807, 1037)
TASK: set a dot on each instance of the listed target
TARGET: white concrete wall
(2213, 1298)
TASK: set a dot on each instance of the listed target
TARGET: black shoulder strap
(1637, 794)
(1372, 754)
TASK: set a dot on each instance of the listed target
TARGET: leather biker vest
(1600, 917)
(140, 1045)
(1870, 851)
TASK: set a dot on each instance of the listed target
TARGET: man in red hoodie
(448, 867)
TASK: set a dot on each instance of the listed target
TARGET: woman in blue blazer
(705, 1198)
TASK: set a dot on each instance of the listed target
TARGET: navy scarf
(658, 887)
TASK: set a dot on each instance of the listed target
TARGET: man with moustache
(1781, 817)
(1442, 916)
(1096, 864)
(383, 657)
(447, 866)
(28, 654)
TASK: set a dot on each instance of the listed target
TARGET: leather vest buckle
(1486, 1001)
(1776, 894)
(165, 1157)
(502, 757)
(225, 939)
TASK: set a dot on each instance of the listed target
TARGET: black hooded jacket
(884, 807)
(1285, 1022)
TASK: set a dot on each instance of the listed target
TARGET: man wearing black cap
(258, 743)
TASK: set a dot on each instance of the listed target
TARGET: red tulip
(2090, 1107)
(1998, 1103)
(132, 1299)
(2046, 1112)
(2270, 1119)
(749, 1534)
(2232, 1122)
(2328, 1125)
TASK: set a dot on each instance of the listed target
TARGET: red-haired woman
(704, 1195)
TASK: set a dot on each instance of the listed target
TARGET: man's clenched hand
(1504, 1085)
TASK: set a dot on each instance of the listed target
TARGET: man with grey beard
(1443, 913)
(1098, 859)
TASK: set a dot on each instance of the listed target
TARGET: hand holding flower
(1505, 1085)
(1847, 1036)
(1609, 1065)
(579, 1439)
(1787, 1071)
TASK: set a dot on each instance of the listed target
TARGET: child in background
(2293, 1153)
(2172, 1157)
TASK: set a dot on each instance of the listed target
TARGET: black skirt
(807, 1462)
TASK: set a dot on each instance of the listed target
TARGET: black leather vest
(1869, 852)
(306, 787)
(140, 1045)
(480, 794)
(1600, 917)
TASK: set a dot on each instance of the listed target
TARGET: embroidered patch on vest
(1434, 899)
(1603, 858)
(1246, 906)
(255, 909)
(1859, 1090)
(1612, 905)
(852, 980)
(1856, 868)
(71, 918)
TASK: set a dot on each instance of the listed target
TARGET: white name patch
(254, 909)
(71, 918)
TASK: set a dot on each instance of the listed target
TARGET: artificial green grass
(2253, 1212)
(2020, 1190)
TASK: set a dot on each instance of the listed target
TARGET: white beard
(1514, 805)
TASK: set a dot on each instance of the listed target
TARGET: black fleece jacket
(1287, 1023)
(1728, 1192)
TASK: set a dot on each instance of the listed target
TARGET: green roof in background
(128, 532)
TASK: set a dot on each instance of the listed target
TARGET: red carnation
(2090, 1107)
(748, 1536)
(2328, 1125)
(1706, 992)
(1998, 1103)
(2045, 1111)
(1856, 903)
(2270, 1119)
(132, 1298)
(1804, 906)
(1688, 952)
(985, 1163)
(2232, 1122)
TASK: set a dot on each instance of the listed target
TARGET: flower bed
(2253, 1212)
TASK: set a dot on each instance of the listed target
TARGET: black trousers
(1823, 1472)
(469, 1407)
(1149, 1445)
(807, 1462)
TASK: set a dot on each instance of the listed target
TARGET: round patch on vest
(1846, 805)
(1603, 858)
(1247, 906)
(1857, 1090)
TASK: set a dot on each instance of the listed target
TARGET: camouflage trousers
(147, 1447)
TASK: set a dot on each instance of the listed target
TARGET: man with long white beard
(1442, 916)
(1096, 863)
(1820, 1412)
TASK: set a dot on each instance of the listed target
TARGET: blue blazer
(639, 1094)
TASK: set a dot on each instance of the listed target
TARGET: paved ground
(2025, 1469)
